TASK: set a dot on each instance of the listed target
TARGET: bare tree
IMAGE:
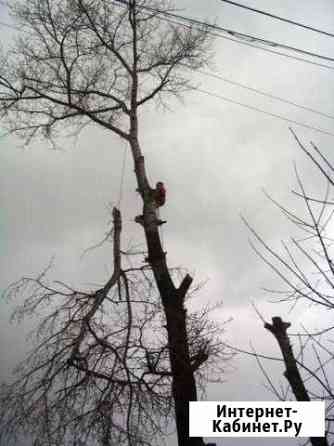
(99, 371)
(305, 267)
(100, 61)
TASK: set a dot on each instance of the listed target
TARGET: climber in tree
(159, 194)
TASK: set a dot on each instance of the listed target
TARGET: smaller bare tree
(99, 371)
(307, 271)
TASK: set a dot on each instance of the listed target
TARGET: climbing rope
(121, 186)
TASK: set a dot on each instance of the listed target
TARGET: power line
(243, 85)
(259, 110)
(223, 98)
(251, 38)
(234, 33)
(282, 19)
(263, 93)
(215, 34)
(240, 84)
(237, 83)
(252, 45)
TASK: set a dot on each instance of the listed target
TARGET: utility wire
(216, 76)
(259, 110)
(216, 34)
(263, 93)
(250, 107)
(234, 33)
(252, 45)
(282, 19)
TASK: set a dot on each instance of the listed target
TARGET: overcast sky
(214, 157)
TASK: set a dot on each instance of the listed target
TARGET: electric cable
(234, 33)
(259, 110)
(276, 17)
(263, 93)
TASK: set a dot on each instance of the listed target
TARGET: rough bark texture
(184, 386)
(278, 328)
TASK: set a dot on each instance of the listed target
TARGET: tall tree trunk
(183, 385)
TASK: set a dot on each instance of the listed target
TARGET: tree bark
(183, 381)
(278, 328)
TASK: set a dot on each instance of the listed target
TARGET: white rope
(121, 186)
